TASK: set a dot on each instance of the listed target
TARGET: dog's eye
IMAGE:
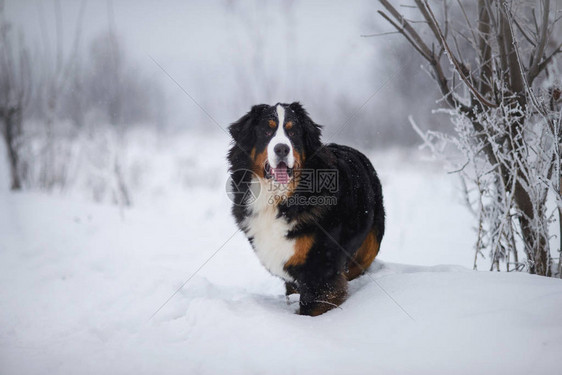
(291, 133)
(268, 132)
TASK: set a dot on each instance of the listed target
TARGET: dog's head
(274, 140)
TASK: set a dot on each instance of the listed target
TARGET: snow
(79, 282)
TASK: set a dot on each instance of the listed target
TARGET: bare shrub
(506, 116)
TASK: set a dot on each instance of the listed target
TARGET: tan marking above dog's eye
(289, 125)
(272, 124)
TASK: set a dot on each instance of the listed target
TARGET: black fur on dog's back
(342, 228)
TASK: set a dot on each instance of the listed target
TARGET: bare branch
(379, 34)
(501, 42)
(406, 35)
(425, 13)
(516, 77)
(407, 27)
(524, 33)
(539, 50)
(434, 60)
(546, 61)
(484, 48)
(474, 39)
(456, 64)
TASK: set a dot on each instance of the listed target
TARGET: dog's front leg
(317, 297)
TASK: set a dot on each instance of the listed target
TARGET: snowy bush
(505, 107)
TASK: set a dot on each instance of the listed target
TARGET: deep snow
(79, 282)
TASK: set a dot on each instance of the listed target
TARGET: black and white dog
(313, 213)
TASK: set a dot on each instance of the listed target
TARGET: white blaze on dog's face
(280, 148)
(280, 155)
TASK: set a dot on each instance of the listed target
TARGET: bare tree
(15, 88)
(56, 67)
(116, 88)
(503, 104)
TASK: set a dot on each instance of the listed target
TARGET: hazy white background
(230, 55)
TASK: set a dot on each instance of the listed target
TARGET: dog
(312, 212)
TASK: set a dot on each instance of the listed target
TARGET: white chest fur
(269, 232)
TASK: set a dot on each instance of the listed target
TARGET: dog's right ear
(312, 131)
(242, 128)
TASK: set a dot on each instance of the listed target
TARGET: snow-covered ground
(80, 281)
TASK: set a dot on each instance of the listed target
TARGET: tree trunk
(535, 242)
(560, 229)
(560, 237)
(537, 249)
(10, 134)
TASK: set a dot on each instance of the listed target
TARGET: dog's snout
(281, 150)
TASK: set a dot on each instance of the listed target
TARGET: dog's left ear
(312, 131)
(243, 127)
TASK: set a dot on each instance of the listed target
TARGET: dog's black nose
(281, 150)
